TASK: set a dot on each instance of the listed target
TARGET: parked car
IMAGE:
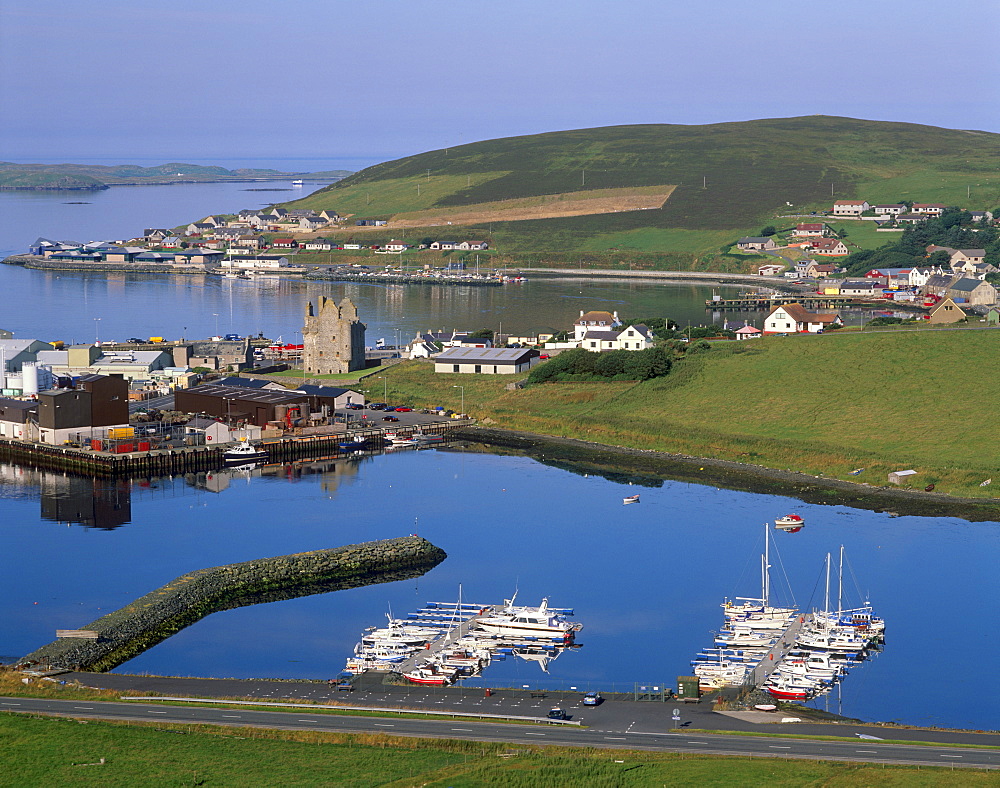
(557, 714)
(376, 406)
(592, 699)
(404, 410)
(354, 406)
(390, 418)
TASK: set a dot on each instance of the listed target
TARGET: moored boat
(630, 499)
(243, 452)
(790, 523)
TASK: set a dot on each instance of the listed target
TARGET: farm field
(818, 404)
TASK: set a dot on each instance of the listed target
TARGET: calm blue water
(646, 580)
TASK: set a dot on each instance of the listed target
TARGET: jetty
(190, 459)
(761, 301)
(119, 636)
(786, 642)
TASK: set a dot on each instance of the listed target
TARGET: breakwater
(45, 264)
(152, 618)
(405, 279)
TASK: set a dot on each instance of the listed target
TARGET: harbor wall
(152, 618)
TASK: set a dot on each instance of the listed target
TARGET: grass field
(818, 404)
(729, 176)
(55, 751)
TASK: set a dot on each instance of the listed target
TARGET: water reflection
(73, 500)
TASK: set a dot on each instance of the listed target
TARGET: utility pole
(583, 177)
(704, 181)
(428, 173)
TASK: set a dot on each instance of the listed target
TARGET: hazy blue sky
(316, 78)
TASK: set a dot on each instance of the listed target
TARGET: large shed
(256, 406)
(488, 361)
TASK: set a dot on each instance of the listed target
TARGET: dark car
(376, 406)
(557, 714)
(389, 418)
(354, 406)
(592, 699)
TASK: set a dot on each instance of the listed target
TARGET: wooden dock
(446, 640)
(760, 302)
(778, 651)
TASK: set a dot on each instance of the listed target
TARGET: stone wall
(161, 613)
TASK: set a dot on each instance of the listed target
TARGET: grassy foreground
(818, 404)
(57, 751)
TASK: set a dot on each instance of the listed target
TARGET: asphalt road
(541, 734)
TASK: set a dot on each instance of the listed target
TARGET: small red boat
(431, 675)
(787, 694)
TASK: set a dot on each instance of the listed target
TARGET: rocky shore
(642, 466)
(159, 614)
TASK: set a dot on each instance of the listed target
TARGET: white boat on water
(298, 183)
(242, 452)
(528, 622)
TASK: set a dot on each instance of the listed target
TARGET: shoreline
(639, 465)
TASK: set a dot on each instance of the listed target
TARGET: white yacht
(528, 622)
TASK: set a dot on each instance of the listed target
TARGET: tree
(482, 333)
(652, 362)
(613, 363)
(766, 232)
(940, 258)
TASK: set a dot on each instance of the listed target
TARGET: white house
(637, 337)
(594, 321)
(850, 207)
(796, 319)
(257, 263)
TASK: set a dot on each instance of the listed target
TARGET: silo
(29, 378)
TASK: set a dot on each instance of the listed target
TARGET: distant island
(91, 177)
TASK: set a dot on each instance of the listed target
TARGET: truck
(156, 340)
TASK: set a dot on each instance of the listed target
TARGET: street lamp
(385, 388)
(463, 397)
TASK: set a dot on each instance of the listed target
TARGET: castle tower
(333, 338)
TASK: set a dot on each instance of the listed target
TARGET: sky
(218, 80)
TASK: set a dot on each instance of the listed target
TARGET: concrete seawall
(159, 614)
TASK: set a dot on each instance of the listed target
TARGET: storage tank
(29, 378)
(280, 412)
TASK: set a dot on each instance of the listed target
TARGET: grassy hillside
(728, 176)
(819, 404)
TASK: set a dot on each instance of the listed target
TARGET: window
(593, 344)
(455, 368)
(479, 368)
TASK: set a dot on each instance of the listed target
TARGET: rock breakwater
(159, 614)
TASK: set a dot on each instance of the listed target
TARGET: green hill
(728, 177)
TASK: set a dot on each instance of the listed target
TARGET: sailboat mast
(826, 607)
(840, 585)
(766, 580)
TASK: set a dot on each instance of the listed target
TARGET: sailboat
(758, 612)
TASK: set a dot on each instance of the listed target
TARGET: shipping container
(687, 687)
(122, 432)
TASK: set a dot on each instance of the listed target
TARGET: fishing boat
(244, 452)
(423, 437)
(298, 183)
(396, 439)
(790, 523)
(630, 499)
(354, 445)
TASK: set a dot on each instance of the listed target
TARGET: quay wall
(152, 618)
(404, 279)
(34, 261)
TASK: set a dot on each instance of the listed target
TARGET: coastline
(645, 466)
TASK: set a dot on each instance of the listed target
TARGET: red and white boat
(432, 675)
(790, 523)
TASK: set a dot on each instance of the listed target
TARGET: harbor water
(645, 580)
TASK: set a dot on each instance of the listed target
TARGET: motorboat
(353, 445)
(528, 622)
(431, 674)
(423, 437)
(790, 523)
(298, 183)
(396, 439)
(630, 499)
(244, 452)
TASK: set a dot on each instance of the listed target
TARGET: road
(634, 737)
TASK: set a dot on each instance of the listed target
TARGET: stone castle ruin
(333, 339)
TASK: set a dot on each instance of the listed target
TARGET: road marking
(467, 730)
(86, 708)
(306, 720)
(869, 752)
(777, 747)
(697, 742)
(232, 716)
(616, 738)
(526, 733)
(11, 704)
(385, 725)
(157, 712)
(949, 756)
(645, 733)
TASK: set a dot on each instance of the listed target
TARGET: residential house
(890, 209)
(155, 235)
(928, 208)
(396, 246)
(938, 284)
(748, 244)
(982, 216)
(796, 319)
(318, 245)
(594, 321)
(330, 216)
(487, 361)
(254, 242)
(946, 311)
(850, 207)
(312, 222)
(284, 243)
(637, 337)
(198, 228)
(170, 242)
(771, 269)
(820, 270)
(831, 247)
(911, 218)
(810, 230)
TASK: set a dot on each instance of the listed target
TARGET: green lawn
(44, 751)
(818, 404)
